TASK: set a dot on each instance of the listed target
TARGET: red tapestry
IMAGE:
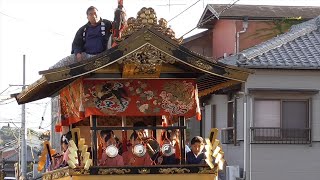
(147, 97)
(71, 105)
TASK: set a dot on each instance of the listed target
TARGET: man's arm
(78, 42)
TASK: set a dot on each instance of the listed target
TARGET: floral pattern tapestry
(129, 97)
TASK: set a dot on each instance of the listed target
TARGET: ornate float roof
(147, 49)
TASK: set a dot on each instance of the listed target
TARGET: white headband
(64, 139)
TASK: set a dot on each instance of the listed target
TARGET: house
(9, 150)
(271, 125)
(278, 83)
(234, 28)
(10, 156)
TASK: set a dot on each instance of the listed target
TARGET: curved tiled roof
(297, 49)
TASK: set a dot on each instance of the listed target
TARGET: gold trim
(113, 171)
(31, 87)
(199, 63)
(207, 171)
(47, 177)
(79, 172)
(144, 171)
(59, 75)
(97, 63)
(173, 170)
(145, 61)
(56, 174)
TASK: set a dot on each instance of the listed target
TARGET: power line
(183, 11)
(9, 92)
(6, 99)
(4, 14)
(4, 90)
(49, 124)
(209, 18)
(22, 20)
(7, 102)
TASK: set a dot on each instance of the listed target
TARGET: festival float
(147, 76)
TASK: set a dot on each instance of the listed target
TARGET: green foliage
(275, 28)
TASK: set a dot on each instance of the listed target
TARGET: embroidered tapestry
(135, 97)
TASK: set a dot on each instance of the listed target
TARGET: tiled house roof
(255, 12)
(266, 11)
(299, 48)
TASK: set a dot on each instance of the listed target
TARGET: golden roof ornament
(147, 17)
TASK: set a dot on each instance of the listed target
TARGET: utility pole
(23, 128)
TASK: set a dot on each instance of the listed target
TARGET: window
(281, 121)
(230, 114)
(228, 133)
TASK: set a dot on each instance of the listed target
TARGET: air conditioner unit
(232, 172)
(227, 136)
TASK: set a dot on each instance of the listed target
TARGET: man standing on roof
(93, 37)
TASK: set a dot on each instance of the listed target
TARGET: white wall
(291, 80)
(273, 161)
(287, 161)
(233, 154)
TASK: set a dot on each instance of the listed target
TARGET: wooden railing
(275, 135)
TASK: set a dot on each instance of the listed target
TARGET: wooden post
(182, 139)
(94, 140)
(154, 124)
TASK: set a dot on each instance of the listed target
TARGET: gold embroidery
(173, 170)
(144, 171)
(206, 171)
(113, 171)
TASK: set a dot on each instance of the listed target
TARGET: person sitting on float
(61, 159)
(137, 153)
(110, 156)
(175, 139)
(196, 155)
(103, 145)
(168, 151)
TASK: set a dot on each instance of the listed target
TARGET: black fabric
(78, 42)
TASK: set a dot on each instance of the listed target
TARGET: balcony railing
(227, 135)
(275, 135)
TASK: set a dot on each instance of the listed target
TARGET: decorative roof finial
(147, 17)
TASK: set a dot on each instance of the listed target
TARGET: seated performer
(103, 145)
(136, 154)
(110, 156)
(61, 159)
(196, 155)
(174, 137)
(168, 151)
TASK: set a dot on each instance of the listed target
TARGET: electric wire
(184, 11)
(211, 16)
(44, 111)
(7, 102)
(4, 90)
(22, 20)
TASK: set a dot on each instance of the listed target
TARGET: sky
(43, 30)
